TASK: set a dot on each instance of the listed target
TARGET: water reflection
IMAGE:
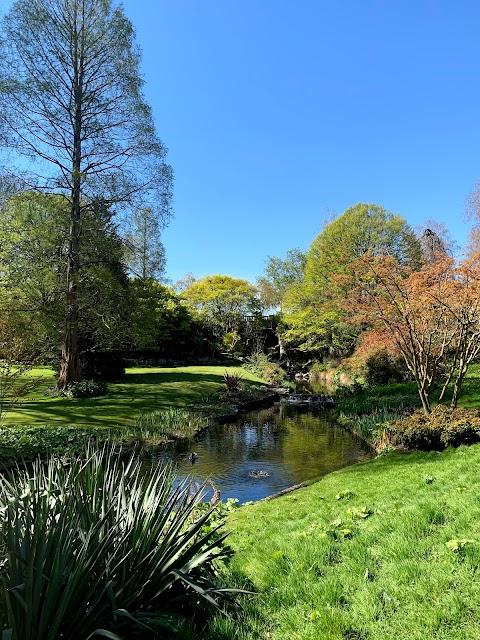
(266, 451)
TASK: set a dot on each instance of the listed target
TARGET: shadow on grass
(169, 377)
(242, 617)
(172, 376)
(140, 391)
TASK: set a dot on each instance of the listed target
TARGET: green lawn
(376, 564)
(382, 550)
(142, 389)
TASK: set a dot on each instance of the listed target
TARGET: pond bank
(249, 405)
(382, 549)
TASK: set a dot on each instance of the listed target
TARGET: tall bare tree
(71, 102)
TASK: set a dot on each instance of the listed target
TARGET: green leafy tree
(313, 308)
(32, 276)
(161, 320)
(223, 302)
(279, 276)
(145, 250)
(71, 99)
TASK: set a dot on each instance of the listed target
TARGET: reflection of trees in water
(300, 443)
(320, 452)
(308, 443)
(291, 443)
(255, 437)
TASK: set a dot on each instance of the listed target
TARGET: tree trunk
(463, 368)
(445, 384)
(425, 402)
(70, 370)
(281, 349)
(456, 392)
(423, 396)
(70, 361)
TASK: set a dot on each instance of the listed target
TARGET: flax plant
(94, 546)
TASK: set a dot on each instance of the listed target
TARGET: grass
(142, 390)
(368, 412)
(171, 422)
(386, 397)
(384, 549)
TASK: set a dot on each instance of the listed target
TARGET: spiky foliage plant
(232, 381)
(95, 545)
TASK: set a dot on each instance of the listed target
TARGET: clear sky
(278, 113)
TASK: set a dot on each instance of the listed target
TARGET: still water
(266, 451)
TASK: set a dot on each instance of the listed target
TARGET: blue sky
(277, 114)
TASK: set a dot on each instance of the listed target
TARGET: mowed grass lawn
(142, 390)
(383, 550)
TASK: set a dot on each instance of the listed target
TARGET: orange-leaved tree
(431, 313)
(463, 303)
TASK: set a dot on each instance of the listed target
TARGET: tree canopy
(223, 300)
(160, 319)
(32, 275)
(145, 251)
(71, 102)
(279, 276)
(313, 311)
(431, 313)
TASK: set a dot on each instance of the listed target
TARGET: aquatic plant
(171, 422)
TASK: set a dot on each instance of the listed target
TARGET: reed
(171, 423)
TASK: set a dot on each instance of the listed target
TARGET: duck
(258, 474)
(193, 456)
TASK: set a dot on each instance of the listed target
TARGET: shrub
(318, 369)
(349, 390)
(443, 427)
(27, 442)
(96, 547)
(260, 365)
(383, 367)
(85, 389)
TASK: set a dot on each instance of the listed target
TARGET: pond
(266, 451)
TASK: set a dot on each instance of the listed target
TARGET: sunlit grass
(368, 412)
(142, 390)
(363, 554)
